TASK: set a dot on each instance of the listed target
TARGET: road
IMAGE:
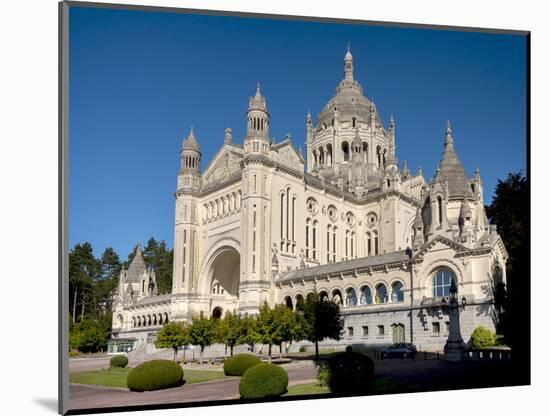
(86, 397)
(419, 375)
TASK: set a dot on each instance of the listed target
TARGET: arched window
(441, 282)
(299, 302)
(379, 156)
(366, 296)
(397, 294)
(353, 122)
(166, 320)
(323, 295)
(308, 226)
(347, 243)
(329, 155)
(329, 227)
(381, 294)
(337, 297)
(353, 244)
(288, 302)
(375, 243)
(365, 152)
(314, 240)
(351, 297)
(334, 229)
(345, 151)
(439, 210)
(369, 244)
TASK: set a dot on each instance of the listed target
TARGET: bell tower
(255, 279)
(186, 227)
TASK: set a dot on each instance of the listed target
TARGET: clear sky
(139, 81)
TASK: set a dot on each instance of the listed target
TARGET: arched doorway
(217, 312)
(398, 333)
(222, 280)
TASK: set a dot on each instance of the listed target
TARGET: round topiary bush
(482, 337)
(263, 381)
(120, 361)
(349, 373)
(238, 364)
(155, 375)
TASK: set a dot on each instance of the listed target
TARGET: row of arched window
(223, 205)
(191, 162)
(150, 320)
(351, 249)
(441, 284)
(288, 221)
(324, 155)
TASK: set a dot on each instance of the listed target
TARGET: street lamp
(454, 347)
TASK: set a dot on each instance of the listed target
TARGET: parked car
(399, 350)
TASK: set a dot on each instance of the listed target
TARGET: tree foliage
(92, 285)
(203, 332)
(173, 335)
(322, 320)
(509, 211)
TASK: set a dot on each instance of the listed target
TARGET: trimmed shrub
(323, 374)
(482, 337)
(350, 373)
(238, 364)
(119, 361)
(155, 375)
(263, 381)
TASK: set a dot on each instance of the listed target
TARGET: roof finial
(258, 93)
(448, 134)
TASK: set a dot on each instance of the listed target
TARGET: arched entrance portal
(223, 277)
(217, 312)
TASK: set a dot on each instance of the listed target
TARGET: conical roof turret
(190, 142)
(137, 266)
(452, 170)
(258, 101)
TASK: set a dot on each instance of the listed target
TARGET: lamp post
(454, 347)
(409, 253)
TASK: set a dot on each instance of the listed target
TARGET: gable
(440, 243)
(224, 165)
(287, 155)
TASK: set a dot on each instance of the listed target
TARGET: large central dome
(349, 101)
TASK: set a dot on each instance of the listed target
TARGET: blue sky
(139, 80)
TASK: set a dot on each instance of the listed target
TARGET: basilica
(264, 223)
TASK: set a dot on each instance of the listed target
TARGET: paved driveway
(419, 375)
(85, 397)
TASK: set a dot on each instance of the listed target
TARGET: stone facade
(263, 224)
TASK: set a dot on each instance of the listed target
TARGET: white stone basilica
(260, 224)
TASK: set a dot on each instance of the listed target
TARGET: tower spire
(348, 66)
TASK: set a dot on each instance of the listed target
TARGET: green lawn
(309, 388)
(111, 377)
(378, 386)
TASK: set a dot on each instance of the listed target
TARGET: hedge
(118, 361)
(482, 337)
(238, 364)
(155, 375)
(263, 381)
(349, 373)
